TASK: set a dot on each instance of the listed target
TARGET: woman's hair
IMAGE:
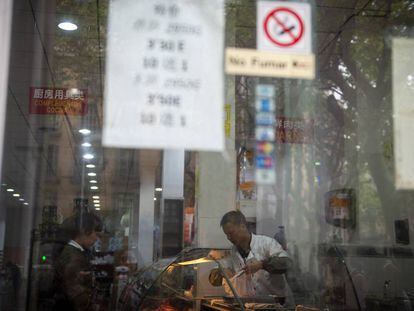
(81, 223)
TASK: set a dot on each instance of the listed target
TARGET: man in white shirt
(257, 263)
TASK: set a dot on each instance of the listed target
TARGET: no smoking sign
(284, 27)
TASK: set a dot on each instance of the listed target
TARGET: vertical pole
(6, 10)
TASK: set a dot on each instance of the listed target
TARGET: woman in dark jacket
(74, 286)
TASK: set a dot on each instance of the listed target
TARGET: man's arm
(277, 265)
(277, 260)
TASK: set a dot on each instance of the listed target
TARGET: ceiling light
(158, 189)
(97, 205)
(68, 26)
(96, 201)
(317, 163)
(88, 156)
(97, 208)
(16, 195)
(10, 190)
(25, 203)
(95, 197)
(90, 165)
(85, 131)
(21, 199)
(93, 181)
(86, 145)
(4, 185)
(94, 188)
(91, 174)
(155, 199)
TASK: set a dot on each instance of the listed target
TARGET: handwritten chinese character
(153, 24)
(167, 119)
(173, 10)
(160, 9)
(147, 118)
(139, 24)
(169, 64)
(183, 121)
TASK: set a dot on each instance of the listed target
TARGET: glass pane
(88, 227)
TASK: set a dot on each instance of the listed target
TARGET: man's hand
(229, 272)
(253, 266)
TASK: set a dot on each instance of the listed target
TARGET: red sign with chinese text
(294, 130)
(58, 101)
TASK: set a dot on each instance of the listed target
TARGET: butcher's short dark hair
(233, 217)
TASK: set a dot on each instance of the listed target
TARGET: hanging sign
(284, 27)
(164, 80)
(294, 130)
(250, 62)
(59, 101)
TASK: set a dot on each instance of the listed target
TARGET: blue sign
(264, 162)
(265, 119)
(265, 90)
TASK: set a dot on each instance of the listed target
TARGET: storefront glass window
(89, 227)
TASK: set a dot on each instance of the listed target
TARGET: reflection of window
(50, 198)
(52, 160)
(51, 123)
(172, 237)
(125, 201)
(76, 174)
(125, 164)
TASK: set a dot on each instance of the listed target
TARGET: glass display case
(197, 279)
(194, 280)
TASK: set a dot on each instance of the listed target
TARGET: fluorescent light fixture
(155, 199)
(88, 156)
(91, 174)
(85, 131)
(10, 190)
(97, 205)
(93, 181)
(4, 185)
(68, 26)
(25, 203)
(16, 195)
(317, 163)
(94, 188)
(158, 189)
(21, 199)
(95, 197)
(96, 201)
(97, 208)
(86, 144)
(90, 165)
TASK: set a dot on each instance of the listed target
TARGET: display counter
(186, 282)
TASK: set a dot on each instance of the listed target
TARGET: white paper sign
(284, 27)
(403, 111)
(164, 75)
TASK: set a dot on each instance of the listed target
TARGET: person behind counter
(73, 277)
(257, 263)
